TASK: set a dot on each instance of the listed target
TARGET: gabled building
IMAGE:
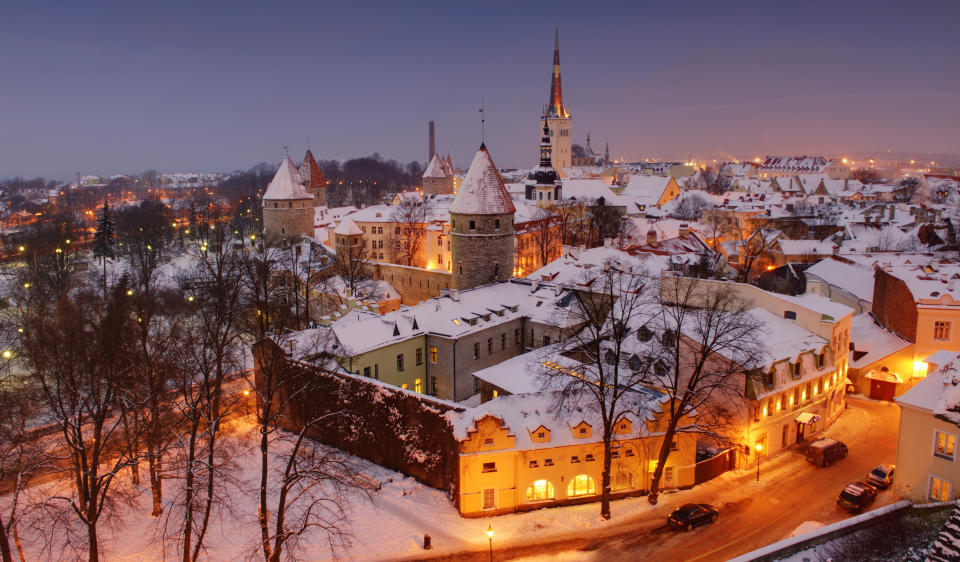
(519, 453)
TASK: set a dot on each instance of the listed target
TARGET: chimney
(651, 237)
(433, 142)
(684, 229)
(893, 210)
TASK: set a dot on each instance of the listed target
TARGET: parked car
(882, 476)
(825, 451)
(690, 515)
(856, 495)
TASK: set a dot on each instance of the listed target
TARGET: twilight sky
(119, 87)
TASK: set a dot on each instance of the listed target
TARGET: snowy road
(791, 491)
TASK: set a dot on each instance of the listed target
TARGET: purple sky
(121, 87)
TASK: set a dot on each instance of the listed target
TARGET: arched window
(581, 485)
(541, 490)
(623, 480)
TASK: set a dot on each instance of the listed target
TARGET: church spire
(555, 106)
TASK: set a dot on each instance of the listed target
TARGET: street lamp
(490, 537)
(759, 448)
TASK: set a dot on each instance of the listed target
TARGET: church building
(556, 118)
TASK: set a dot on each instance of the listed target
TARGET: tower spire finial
(483, 125)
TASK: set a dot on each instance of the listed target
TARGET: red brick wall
(893, 304)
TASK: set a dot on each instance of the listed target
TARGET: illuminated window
(496, 393)
(540, 490)
(939, 489)
(434, 355)
(418, 385)
(476, 350)
(944, 445)
(581, 485)
(941, 331)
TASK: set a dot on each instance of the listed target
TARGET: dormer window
(790, 314)
(796, 368)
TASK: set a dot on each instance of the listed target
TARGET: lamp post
(759, 449)
(490, 538)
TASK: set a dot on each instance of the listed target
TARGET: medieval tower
(481, 226)
(287, 206)
(543, 184)
(555, 116)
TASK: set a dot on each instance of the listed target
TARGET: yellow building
(516, 454)
(927, 463)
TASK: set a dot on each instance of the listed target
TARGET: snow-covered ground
(390, 526)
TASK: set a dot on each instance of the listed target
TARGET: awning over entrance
(807, 417)
(886, 376)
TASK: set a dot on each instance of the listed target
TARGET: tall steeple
(606, 153)
(555, 106)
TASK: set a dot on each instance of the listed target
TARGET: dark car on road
(856, 496)
(882, 476)
(690, 515)
(825, 451)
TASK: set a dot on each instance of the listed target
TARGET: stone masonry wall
(392, 427)
(413, 283)
(482, 255)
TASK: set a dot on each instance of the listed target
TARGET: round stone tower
(287, 206)
(481, 226)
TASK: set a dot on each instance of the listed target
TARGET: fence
(715, 466)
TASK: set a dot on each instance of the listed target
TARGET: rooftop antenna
(483, 119)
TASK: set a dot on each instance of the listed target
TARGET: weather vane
(483, 118)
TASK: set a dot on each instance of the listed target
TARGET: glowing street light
(7, 354)
(490, 538)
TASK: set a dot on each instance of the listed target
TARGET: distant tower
(432, 148)
(481, 226)
(543, 184)
(556, 117)
(606, 153)
(313, 179)
(287, 206)
(438, 177)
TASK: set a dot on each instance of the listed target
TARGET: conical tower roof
(436, 168)
(310, 172)
(555, 106)
(286, 183)
(482, 191)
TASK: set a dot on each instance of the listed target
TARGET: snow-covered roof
(869, 336)
(347, 228)
(286, 184)
(458, 314)
(803, 164)
(435, 169)
(646, 190)
(782, 339)
(819, 303)
(524, 413)
(853, 278)
(806, 247)
(482, 191)
(938, 392)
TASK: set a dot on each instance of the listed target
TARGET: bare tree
(706, 342)
(602, 377)
(544, 224)
(411, 218)
(309, 482)
(22, 455)
(604, 222)
(691, 206)
(209, 352)
(78, 350)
